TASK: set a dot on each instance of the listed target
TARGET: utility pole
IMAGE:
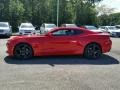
(58, 5)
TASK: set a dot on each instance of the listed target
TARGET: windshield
(26, 26)
(50, 26)
(91, 27)
(112, 28)
(3, 25)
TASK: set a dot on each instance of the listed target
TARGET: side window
(59, 33)
(66, 32)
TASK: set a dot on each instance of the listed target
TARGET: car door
(61, 42)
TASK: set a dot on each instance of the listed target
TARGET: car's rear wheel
(93, 51)
(23, 51)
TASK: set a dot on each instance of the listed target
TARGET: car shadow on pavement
(64, 60)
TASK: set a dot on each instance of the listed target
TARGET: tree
(104, 17)
(16, 11)
(45, 11)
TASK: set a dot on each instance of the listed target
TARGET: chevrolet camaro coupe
(60, 41)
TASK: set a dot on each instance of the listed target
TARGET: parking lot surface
(61, 72)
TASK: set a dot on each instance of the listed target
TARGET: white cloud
(112, 4)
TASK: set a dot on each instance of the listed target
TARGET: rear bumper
(107, 46)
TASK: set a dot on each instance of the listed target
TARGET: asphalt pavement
(61, 72)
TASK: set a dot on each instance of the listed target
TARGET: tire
(93, 51)
(23, 51)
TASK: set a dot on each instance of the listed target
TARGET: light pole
(58, 6)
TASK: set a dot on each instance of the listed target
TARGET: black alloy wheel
(93, 51)
(23, 51)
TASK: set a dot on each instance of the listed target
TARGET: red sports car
(60, 41)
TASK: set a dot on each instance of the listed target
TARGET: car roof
(65, 28)
(49, 23)
(69, 24)
(26, 23)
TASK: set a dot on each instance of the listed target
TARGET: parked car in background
(69, 25)
(26, 29)
(112, 30)
(92, 28)
(5, 29)
(117, 26)
(60, 41)
(45, 27)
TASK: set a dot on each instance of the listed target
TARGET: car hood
(26, 29)
(4, 28)
(25, 37)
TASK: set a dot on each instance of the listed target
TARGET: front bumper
(9, 50)
(27, 32)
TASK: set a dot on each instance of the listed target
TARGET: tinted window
(26, 26)
(71, 25)
(66, 32)
(3, 25)
(50, 26)
(91, 27)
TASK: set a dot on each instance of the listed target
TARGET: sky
(112, 4)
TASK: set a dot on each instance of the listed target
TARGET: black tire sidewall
(90, 57)
(30, 48)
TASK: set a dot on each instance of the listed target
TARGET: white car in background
(26, 29)
(69, 25)
(5, 29)
(45, 27)
(92, 28)
(112, 30)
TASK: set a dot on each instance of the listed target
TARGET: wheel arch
(93, 43)
(23, 43)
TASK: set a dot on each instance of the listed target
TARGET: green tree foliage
(45, 11)
(112, 19)
(107, 16)
(16, 11)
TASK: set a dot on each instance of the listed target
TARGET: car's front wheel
(23, 51)
(92, 51)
